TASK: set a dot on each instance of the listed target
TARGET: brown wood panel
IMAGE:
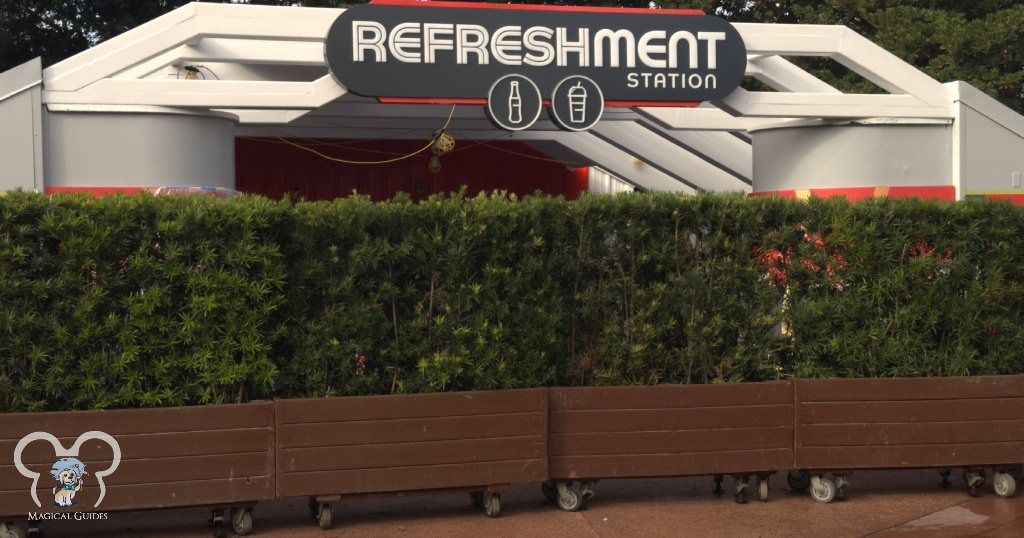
(649, 465)
(151, 445)
(135, 421)
(410, 478)
(225, 453)
(893, 457)
(578, 444)
(404, 443)
(392, 407)
(933, 388)
(149, 471)
(412, 454)
(410, 430)
(671, 430)
(143, 496)
(701, 418)
(908, 388)
(903, 423)
(671, 396)
(909, 411)
(919, 433)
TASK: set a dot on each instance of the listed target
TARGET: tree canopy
(980, 42)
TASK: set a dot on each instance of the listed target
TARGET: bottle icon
(515, 104)
(578, 103)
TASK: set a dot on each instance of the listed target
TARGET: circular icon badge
(514, 103)
(577, 103)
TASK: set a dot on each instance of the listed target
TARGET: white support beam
(282, 14)
(722, 149)
(108, 50)
(149, 66)
(254, 51)
(204, 93)
(783, 75)
(704, 119)
(378, 110)
(79, 75)
(888, 71)
(668, 156)
(819, 105)
(265, 28)
(265, 116)
(791, 39)
(617, 161)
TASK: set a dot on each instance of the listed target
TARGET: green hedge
(143, 301)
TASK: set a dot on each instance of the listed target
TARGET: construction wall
(993, 157)
(853, 156)
(21, 140)
(109, 151)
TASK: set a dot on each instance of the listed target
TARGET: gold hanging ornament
(443, 143)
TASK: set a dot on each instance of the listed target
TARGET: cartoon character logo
(68, 472)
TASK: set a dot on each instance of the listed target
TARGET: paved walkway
(897, 504)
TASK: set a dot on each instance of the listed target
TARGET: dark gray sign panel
(455, 52)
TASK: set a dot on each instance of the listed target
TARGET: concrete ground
(881, 504)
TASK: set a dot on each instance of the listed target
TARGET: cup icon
(578, 103)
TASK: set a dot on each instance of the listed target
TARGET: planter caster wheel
(217, 522)
(10, 530)
(742, 485)
(570, 498)
(492, 504)
(325, 516)
(823, 490)
(974, 478)
(944, 473)
(476, 498)
(241, 521)
(762, 489)
(718, 485)
(1004, 484)
(841, 485)
(799, 481)
(549, 490)
(588, 491)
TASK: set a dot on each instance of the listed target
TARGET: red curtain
(272, 167)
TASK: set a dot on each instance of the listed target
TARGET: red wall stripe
(947, 193)
(1015, 199)
(97, 192)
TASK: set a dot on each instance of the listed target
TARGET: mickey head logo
(62, 452)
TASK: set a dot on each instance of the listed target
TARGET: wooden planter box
(183, 456)
(969, 422)
(330, 448)
(670, 430)
(905, 423)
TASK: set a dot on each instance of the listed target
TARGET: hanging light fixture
(435, 164)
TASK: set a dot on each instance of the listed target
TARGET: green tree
(57, 29)
(980, 42)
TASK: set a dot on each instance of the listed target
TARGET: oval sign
(451, 52)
